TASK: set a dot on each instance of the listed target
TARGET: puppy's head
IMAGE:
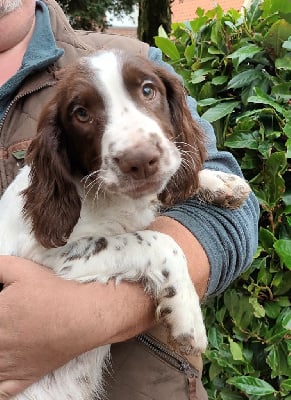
(118, 123)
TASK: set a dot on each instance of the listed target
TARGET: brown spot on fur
(170, 291)
(165, 311)
(166, 273)
(100, 244)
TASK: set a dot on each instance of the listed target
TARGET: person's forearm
(111, 313)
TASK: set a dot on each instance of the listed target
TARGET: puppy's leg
(152, 258)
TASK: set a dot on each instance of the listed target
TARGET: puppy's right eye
(81, 113)
(148, 90)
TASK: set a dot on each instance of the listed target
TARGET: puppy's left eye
(148, 90)
(81, 113)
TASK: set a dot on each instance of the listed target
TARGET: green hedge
(238, 67)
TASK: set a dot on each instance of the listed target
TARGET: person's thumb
(13, 269)
(8, 273)
(8, 389)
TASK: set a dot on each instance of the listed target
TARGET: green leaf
(286, 385)
(167, 47)
(220, 111)
(207, 102)
(241, 140)
(271, 185)
(214, 338)
(283, 249)
(277, 359)
(219, 80)
(214, 370)
(162, 32)
(263, 98)
(244, 78)
(284, 62)
(199, 75)
(189, 53)
(214, 50)
(223, 359)
(251, 385)
(286, 321)
(282, 91)
(267, 239)
(276, 35)
(284, 301)
(272, 309)
(19, 155)
(279, 6)
(239, 308)
(230, 395)
(245, 52)
(235, 350)
(249, 161)
(259, 310)
(198, 23)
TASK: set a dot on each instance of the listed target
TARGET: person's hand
(33, 334)
(46, 321)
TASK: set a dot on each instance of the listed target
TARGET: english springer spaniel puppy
(114, 143)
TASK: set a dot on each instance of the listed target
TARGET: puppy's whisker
(185, 144)
(99, 189)
(89, 186)
(89, 176)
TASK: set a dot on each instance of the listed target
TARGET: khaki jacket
(142, 368)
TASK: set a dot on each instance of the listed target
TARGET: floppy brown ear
(51, 202)
(189, 138)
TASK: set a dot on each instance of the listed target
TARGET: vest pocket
(144, 369)
(176, 361)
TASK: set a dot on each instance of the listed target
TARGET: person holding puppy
(44, 320)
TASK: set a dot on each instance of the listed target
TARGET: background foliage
(90, 14)
(238, 67)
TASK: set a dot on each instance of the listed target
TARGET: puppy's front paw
(179, 308)
(190, 344)
(223, 189)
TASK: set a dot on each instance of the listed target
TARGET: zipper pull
(192, 376)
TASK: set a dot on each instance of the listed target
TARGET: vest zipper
(47, 84)
(19, 96)
(175, 360)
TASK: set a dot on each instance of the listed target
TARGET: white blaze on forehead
(124, 117)
(108, 67)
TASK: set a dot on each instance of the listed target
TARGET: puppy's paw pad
(188, 344)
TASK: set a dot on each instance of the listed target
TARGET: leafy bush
(238, 67)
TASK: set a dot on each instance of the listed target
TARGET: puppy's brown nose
(139, 162)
